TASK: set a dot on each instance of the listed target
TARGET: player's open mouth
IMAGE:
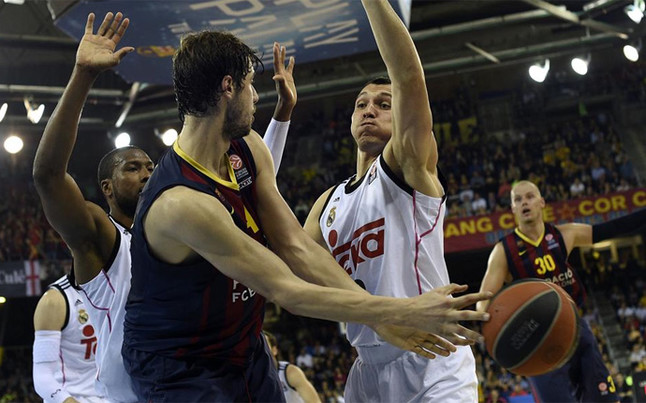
(526, 211)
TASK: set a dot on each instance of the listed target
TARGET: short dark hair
(199, 65)
(109, 162)
(381, 80)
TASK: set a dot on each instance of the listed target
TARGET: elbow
(42, 175)
(289, 299)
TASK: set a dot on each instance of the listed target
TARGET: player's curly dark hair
(199, 65)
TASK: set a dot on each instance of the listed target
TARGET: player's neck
(364, 161)
(532, 230)
(121, 217)
(202, 140)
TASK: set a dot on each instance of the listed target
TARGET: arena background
(494, 125)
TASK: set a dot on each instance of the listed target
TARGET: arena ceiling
(452, 36)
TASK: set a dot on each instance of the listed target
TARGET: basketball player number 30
(546, 264)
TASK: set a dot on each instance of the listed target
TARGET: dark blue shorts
(584, 378)
(157, 378)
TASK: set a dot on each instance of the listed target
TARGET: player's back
(192, 310)
(78, 344)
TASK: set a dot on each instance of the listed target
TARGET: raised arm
(276, 134)
(412, 150)
(84, 226)
(496, 276)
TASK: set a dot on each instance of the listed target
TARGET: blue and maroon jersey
(192, 310)
(545, 259)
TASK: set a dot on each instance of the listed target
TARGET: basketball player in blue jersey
(200, 266)
(539, 250)
(100, 242)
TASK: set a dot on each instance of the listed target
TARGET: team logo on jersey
(235, 161)
(83, 316)
(367, 243)
(520, 244)
(551, 242)
(373, 174)
(331, 217)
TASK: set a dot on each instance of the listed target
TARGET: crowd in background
(577, 156)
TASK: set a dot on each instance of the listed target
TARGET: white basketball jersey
(291, 395)
(78, 346)
(387, 236)
(106, 296)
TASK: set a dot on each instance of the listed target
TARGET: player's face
(240, 111)
(130, 175)
(527, 203)
(372, 120)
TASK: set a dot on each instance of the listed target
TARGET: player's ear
(227, 86)
(106, 187)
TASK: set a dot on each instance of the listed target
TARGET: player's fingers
(468, 315)
(439, 343)
(470, 299)
(89, 25)
(469, 334)
(112, 29)
(451, 288)
(277, 62)
(424, 352)
(121, 30)
(105, 24)
(121, 53)
(290, 66)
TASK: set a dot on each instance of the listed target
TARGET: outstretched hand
(283, 76)
(96, 52)
(442, 313)
(407, 338)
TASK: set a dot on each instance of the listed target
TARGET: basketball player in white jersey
(100, 242)
(384, 224)
(64, 346)
(296, 387)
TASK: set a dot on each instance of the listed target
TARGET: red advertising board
(478, 232)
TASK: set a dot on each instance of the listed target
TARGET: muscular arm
(49, 319)
(207, 228)
(297, 379)
(412, 150)
(495, 277)
(83, 225)
(312, 226)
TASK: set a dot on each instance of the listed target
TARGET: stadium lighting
(13, 144)
(34, 112)
(539, 72)
(3, 300)
(169, 137)
(635, 11)
(3, 110)
(580, 65)
(631, 53)
(122, 140)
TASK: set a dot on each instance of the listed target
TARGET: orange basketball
(533, 327)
